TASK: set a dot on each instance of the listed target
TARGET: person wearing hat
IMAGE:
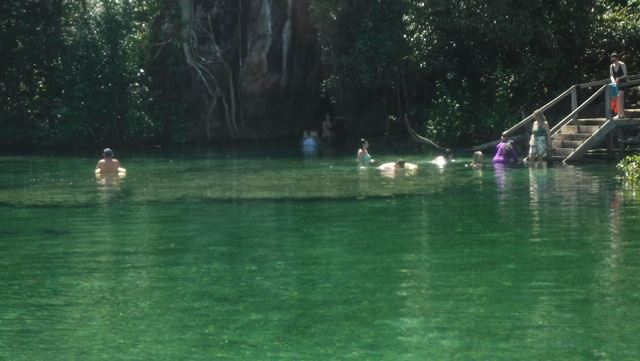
(618, 73)
(108, 164)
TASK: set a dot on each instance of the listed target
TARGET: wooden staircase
(573, 140)
(572, 137)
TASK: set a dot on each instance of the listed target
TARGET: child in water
(476, 162)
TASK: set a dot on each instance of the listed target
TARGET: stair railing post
(574, 102)
(607, 103)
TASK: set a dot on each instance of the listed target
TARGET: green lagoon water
(268, 255)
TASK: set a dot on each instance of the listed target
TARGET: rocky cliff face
(255, 64)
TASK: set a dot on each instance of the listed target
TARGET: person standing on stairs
(618, 72)
(540, 141)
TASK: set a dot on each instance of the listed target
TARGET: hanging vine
(206, 57)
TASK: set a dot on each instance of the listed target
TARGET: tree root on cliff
(209, 67)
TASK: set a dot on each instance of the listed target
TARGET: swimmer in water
(309, 142)
(505, 154)
(364, 157)
(442, 160)
(109, 165)
(476, 162)
(397, 165)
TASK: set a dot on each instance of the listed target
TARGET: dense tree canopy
(473, 66)
(105, 71)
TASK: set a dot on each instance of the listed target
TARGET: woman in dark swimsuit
(618, 72)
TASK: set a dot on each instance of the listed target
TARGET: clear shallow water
(273, 256)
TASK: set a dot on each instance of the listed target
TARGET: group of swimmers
(539, 144)
(505, 153)
(332, 134)
(539, 149)
(364, 159)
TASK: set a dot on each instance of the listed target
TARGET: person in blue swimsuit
(618, 73)
(309, 142)
(364, 157)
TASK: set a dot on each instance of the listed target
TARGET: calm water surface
(267, 255)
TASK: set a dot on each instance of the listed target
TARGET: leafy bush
(630, 166)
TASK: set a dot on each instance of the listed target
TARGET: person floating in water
(109, 165)
(443, 159)
(364, 157)
(505, 154)
(399, 164)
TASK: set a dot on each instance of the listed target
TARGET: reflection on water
(500, 171)
(220, 256)
(109, 185)
(537, 189)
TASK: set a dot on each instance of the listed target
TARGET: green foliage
(454, 116)
(617, 29)
(86, 71)
(630, 166)
(71, 72)
(474, 66)
(444, 116)
(364, 40)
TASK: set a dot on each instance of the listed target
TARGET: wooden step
(571, 143)
(597, 137)
(562, 143)
(592, 121)
(570, 129)
(588, 128)
(570, 136)
(563, 152)
(632, 113)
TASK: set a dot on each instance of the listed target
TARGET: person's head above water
(400, 163)
(478, 157)
(614, 56)
(364, 144)
(107, 153)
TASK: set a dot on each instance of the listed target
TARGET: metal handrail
(526, 120)
(587, 102)
(632, 80)
(605, 81)
(578, 109)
